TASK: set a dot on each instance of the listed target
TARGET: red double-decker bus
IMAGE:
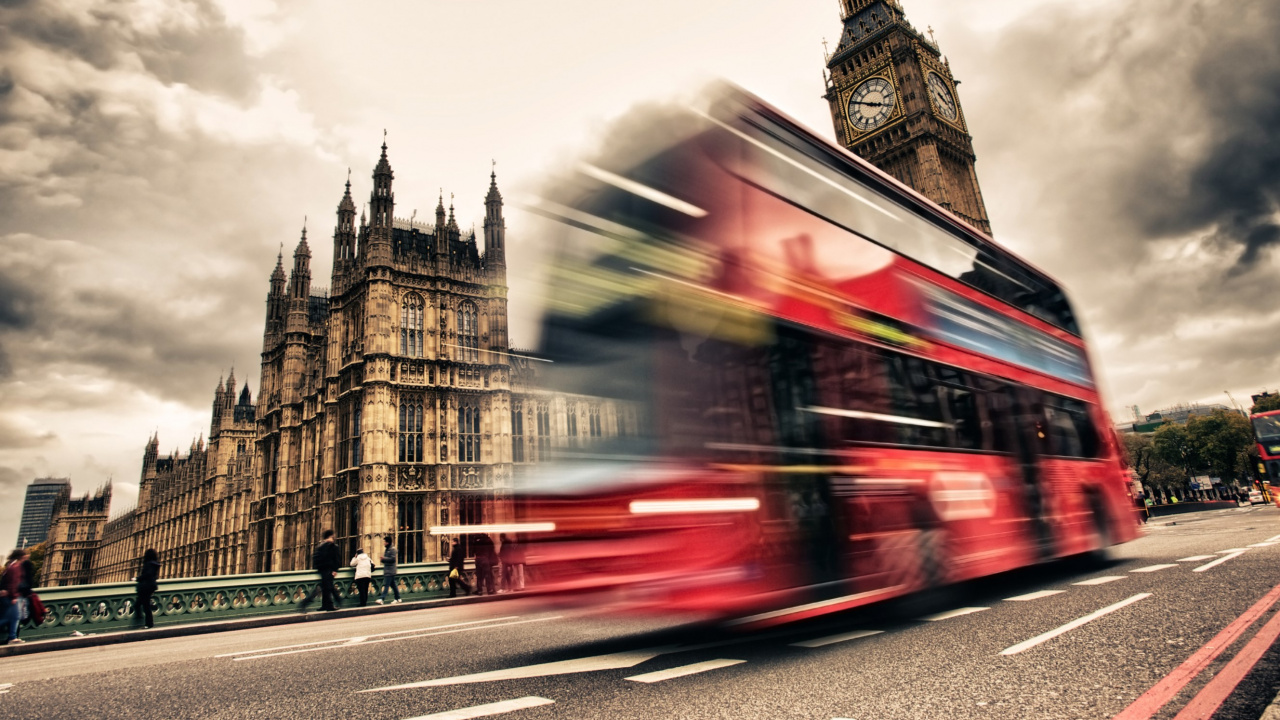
(836, 391)
(1266, 430)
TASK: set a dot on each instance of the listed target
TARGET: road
(1013, 647)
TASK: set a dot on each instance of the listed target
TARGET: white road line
(1197, 558)
(1153, 568)
(1232, 550)
(1027, 645)
(340, 641)
(1219, 561)
(1263, 544)
(1034, 596)
(1273, 539)
(693, 669)
(773, 614)
(395, 639)
(497, 708)
(953, 614)
(613, 661)
(833, 639)
(1100, 580)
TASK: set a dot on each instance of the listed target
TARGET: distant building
(73, 538)
(1176, 415)
(37, 510)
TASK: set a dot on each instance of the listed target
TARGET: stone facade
(74, 538)
(894, 103)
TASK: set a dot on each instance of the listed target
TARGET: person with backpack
(10, 611)
(147, 584)
(457, 562)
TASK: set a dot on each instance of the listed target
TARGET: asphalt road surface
(1064, 641)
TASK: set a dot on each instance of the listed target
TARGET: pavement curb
(285, 618)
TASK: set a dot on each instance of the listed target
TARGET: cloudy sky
(155, 154)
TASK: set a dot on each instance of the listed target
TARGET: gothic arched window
(468, 434)
(411, 326)
(410, 431)
(468, 333)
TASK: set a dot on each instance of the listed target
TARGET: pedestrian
(326, 561)
(364, 574)
(457, 559)
(10, 580)
(147, 584)
(25, 587)
(486, 558)
(389, 570)
(512, 556)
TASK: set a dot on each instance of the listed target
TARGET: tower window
(71, 532)
(517, 433)
(593, 419)
(543, 416)
(468, 334)
(410, 432)
(411, 326)
(468, 434)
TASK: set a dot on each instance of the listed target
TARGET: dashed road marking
(1273, 539)
(1045, 637)
(953, 614)
(5, 687)
(1232, 550)
(498, 708)
(1219, 561)
(341, 641)
(1153, 568)
(1264, 544)
(1034, 596)
(693, 669)
(1100, 580)
(612, 661)
(1197, 558)
(348, 643)
(833, 639)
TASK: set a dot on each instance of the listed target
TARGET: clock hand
(869, 104)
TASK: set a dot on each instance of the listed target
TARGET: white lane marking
(613, 661)
(1263, 544)
(497, 708)
(1273, 539)
(1219, 561)
(1153, 568)
(340, 641)
(1232, 550)
(1034, 596)
(1028, 644)
(833, 639)
(693, 669)
(953, 614)
(1197, 558)
(814, 606)
(1100, 580)
(396, 639)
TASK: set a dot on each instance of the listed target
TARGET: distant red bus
(1266, 430)
(846, 393)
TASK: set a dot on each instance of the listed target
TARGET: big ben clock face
(872, 103)
(943, 100)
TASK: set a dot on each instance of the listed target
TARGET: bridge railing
(110, 606)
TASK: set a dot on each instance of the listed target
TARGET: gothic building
(894, 102)
(389, 404)
(73, 541)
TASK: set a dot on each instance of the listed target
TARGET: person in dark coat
(326, 561)
(512, 555)
(457, 559)
(486, 558)
(148, 583)
(10, 612)
(389, 582)
(25, 587)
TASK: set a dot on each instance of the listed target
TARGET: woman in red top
(10, 580)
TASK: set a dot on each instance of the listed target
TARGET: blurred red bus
(1266, 431)
(842, 392)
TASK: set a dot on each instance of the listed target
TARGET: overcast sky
(155, 154)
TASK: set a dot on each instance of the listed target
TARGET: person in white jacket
(364, 574)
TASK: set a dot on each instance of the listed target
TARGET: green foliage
(1267, 404)
(1218, 438)
(1173, 444)
(37, 558)
(1152, 469)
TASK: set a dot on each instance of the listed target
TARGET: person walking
(10, 581)
(25, 588)
(364, 574)
(326, 561)
(389, 570)
(512, 556)
(486, 558)
(147, 582)
(457, 559)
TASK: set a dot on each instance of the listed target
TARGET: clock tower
(894, 103)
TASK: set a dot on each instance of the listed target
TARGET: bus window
(1072, 432)
(960, 406)
(915, 399)
(997, 399)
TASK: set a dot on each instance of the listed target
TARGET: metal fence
(110, 606)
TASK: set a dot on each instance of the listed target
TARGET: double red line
(1209, 699)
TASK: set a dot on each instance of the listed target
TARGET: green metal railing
(110, 606)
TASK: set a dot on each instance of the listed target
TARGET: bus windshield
(1266, 428)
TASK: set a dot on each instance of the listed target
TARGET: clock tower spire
(894, 103)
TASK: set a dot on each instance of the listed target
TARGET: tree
(1152, 470)
(1174, 445)
(1219, 438)
(1267, 402)
(37, 560)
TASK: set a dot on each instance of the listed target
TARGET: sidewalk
(186, 629)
